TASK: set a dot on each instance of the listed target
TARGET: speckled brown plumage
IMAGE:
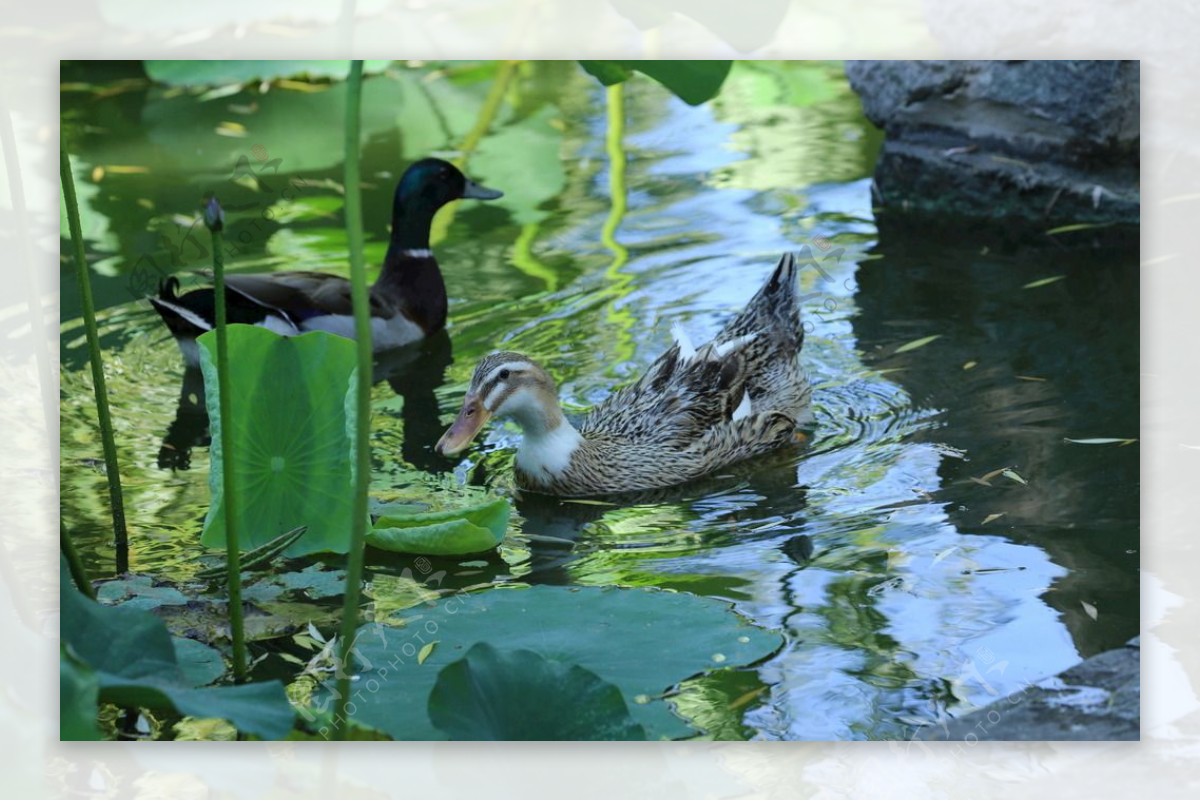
(683, 418)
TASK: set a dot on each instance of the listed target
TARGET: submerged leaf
(1014, 476)
(1043, 281)
(916, 343)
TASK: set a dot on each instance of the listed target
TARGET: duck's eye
(504, 374)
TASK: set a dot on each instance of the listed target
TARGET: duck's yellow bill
(471, 418)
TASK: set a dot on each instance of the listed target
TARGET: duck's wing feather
(676, 401)
(300, 294)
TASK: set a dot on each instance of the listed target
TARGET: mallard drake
(694, 411)
(408, 300)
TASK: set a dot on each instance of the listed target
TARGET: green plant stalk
(74, 563)
(362, 445)
(232, 550)
(619, 320)
(112, 472)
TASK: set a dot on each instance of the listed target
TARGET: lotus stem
(112, 472)
(362, 451)
(214, 218)
(74, 564)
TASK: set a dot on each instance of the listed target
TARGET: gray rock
(1046, 140)
(1098, 699)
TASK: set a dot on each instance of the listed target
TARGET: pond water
(910, 576)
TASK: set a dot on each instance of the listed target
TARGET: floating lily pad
(644, 641)
(486, 696)
(136, 664)
(292, 419)
(474, 529)
(138, 592)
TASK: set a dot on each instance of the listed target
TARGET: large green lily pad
(456, 532)
(644, 641)
(521, 695)
(135, 663)
(693, 82)
(292, 416)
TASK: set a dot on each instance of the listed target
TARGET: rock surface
(1098, 699)
(1044, 140)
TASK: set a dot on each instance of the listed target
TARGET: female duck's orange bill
(471, 418)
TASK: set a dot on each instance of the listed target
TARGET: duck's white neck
(549, 441)
(548, 451)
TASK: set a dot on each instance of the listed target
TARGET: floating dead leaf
(425, 651)
(992, 517)
(1091, 610)
(220, 91)
(1101, 441)
(239, 108)
(747, 697)
(981, 481)
(234, 129)
(1043, 281)
(1066, 229)
(970, 365)
(1029, 378)
(146, 203)
(916, 343)
(97, 174)
(301, 86)
(1014, 476)
(944, 554)
(993, 474)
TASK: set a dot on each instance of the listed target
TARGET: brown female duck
(693, 412)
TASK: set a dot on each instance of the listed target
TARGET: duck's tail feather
(774, 310)
(180, 320)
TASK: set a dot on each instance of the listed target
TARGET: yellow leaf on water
(234, 129)
(1091, 610)
(982, 481)
(1063, 229)
(916, 343)
(126, 169)
(425, 651)
(1030, 378)
(990, 518)
(1012, 474)
(994, 473)
(301, 86)
(97, 174)
(1100, 441)
(970, 365)
(1043, 281)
